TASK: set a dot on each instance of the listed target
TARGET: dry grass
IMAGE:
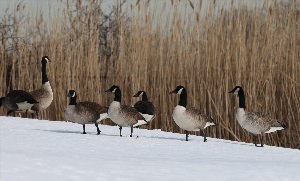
(207, 52)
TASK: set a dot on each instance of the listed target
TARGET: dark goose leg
(98, 130)
(204, 134)
(131, 131)
(35, 115)
(186, 136)
(8, 112)
(120, 128)
(83, 129)
(255, 140)
(262, 141)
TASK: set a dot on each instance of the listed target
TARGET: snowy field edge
(33, 149)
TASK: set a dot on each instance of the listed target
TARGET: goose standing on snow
(189, 118)
(84, 112)
(17, 101)
(144, 107)
(44, 95)
(122, 115)
(254, 122)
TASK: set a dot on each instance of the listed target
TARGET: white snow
(37, 150)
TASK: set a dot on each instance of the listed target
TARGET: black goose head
(139, 93)
(142, 95)
(183, 95)
(238, 90)
(113, 89)
(72, 95)
(45, 60)
(117, 91)
(178, 90)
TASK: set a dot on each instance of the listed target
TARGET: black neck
(118, 95)
(183, 98)
(44, 74)
(144, 97)
(72, 100)
(242, 102)
(1, 99)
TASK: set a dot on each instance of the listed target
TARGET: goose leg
(35, 115)
(262, 141)
(255, 140)
(204, 135)
(98, 130)
(26, 113)
(120, 128)
(8, 112)
(186, 136)
(83, 129)
(131, 131)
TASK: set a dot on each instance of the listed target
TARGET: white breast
(114, 109)
(246, 123)
(114, 112)
(47, 98)
(183, 120)
(68, 113)
(240, 116)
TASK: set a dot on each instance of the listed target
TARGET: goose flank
(144, 106)
(257, 123)
(189, 118)
(44, 95)
(84, 112)
(17, 101)
(123, 115)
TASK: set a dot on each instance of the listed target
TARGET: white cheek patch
(47, 60)
(141, 94)
(74, 94)
(179, 92)
(114, 90)
(237, 91)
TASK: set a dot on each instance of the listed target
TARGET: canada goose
(144, 107)
(189, 118)
(84, 112)
(254, 122)
(17, 100)
(44, 95)
(122, 115)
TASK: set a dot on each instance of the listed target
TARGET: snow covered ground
(36, 150)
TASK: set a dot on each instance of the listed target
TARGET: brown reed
(208, 49)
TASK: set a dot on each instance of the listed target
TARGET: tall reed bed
(208, 47)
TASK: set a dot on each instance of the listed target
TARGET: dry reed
(208, 49)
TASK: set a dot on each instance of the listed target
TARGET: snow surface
(38, 150)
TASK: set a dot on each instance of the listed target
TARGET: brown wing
(198, 114)
(92, 107)
(131, 112)
(198, 118)
(263, 120)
